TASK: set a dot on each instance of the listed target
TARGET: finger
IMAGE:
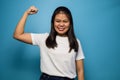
(34, 9)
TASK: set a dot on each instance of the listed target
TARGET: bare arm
(80, 69)
(19, 33)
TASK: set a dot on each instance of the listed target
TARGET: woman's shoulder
(78, 40)
(44, 34)
(39, 35)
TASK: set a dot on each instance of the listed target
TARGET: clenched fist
(32, 10)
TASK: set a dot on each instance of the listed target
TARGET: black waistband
(51, 76)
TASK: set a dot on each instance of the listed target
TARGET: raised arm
(19, 33)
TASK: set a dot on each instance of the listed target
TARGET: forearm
(81, 75)
(80, 69)
(20, 26)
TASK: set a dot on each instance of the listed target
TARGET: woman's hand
(32, 10)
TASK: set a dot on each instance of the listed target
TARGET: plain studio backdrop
(96, 24)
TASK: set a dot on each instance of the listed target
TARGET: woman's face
(61, 24)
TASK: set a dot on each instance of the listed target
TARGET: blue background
(97, 25)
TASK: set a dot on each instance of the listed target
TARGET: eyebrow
(63, 19)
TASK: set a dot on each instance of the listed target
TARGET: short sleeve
(38, 38)
(80, 54)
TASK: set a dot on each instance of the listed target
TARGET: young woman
(61, 54)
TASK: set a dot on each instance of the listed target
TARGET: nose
(61, 24)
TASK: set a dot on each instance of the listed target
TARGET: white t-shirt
(57, 61)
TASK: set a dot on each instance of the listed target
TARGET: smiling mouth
(61, 29)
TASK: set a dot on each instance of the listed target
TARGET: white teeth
(61, 29)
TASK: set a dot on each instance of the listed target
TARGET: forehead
(61, 16)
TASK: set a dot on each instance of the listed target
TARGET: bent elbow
(15, 36)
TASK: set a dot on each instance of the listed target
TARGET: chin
(61, 33)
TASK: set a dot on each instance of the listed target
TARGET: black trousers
(49, 77)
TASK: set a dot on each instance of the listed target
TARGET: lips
(61, 28)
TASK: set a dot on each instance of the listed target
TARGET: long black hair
(51, 40)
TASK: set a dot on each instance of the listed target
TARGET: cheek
(55, 24)
(67, 25)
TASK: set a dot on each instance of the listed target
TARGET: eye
(57, 21)
(65, 21)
